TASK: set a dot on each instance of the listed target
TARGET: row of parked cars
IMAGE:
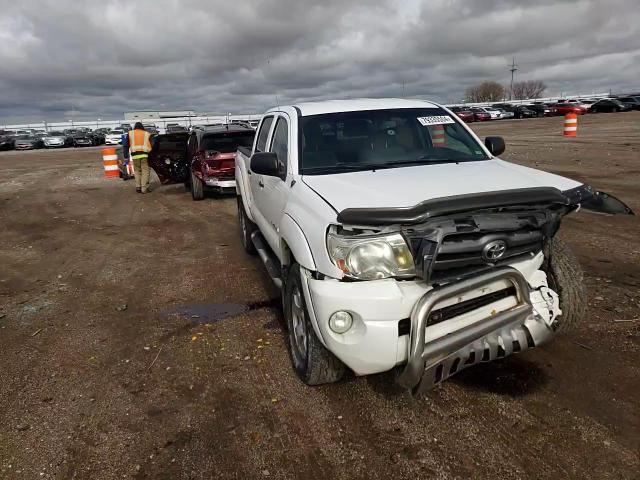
(539, 109)
(31, 139)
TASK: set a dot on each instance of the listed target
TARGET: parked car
(152, 129)
(564, 108)
(57, 140)
(80, 139)
(541, 109)
(632, 102)
(211, 158)
(479, 115)
(587, 102)
(609, 105)
(28, 142)
(125, 126)
(168, 158)
(494, 113)
(464, 113)
(504, 114)
(7, 142)
(176, 128)
(517, 111)
(114, 137)
(394, 251)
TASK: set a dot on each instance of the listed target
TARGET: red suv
(480, 115)
(464, 114)
(564, 108)
(211, 156)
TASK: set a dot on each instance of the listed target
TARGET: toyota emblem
(494, 251)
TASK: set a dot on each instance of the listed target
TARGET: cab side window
(263, 134)
(280, 145)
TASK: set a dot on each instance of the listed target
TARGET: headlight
(371, 257)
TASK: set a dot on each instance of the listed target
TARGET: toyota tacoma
(400, 240)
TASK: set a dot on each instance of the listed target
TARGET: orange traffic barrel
(570, 125)
(110, 163)
(437, 136)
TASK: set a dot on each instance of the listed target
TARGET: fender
(291, 233)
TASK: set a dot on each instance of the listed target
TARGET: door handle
(260, 184)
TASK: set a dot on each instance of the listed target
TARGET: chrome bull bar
(430, 363)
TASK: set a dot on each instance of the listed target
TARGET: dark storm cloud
(100, 58)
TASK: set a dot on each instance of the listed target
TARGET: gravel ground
(116, 361)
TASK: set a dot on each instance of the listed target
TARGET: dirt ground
(91, 389)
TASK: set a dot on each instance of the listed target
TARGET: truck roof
(352, 105)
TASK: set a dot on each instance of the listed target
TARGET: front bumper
(511, 330)
(376, 343)
(219, 184)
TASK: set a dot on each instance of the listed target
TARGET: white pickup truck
(400, 240)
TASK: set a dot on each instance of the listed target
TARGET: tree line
(489, 91)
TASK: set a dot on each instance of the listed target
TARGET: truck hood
(408, 186)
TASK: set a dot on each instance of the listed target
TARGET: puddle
(214, 312)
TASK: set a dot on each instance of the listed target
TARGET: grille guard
(467, 346)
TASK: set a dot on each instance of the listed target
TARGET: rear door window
(227, 142)
(263, 134)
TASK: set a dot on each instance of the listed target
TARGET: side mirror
(265, 163)
(495, 145)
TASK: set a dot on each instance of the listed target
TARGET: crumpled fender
(587, 197)
(296, 241)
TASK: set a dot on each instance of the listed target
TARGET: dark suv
(211, 156)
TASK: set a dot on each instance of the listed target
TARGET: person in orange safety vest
(140, 146)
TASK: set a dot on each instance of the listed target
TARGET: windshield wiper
(422, 161)
(345, 167)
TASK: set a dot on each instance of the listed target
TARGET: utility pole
(514, 69)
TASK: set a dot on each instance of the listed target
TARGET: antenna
(277, 102)
(513, 70)
(402, 88)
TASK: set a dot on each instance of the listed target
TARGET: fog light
(340, 322)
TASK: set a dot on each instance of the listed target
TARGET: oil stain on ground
(214, 312)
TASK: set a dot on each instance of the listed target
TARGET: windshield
(375, 139)
(56, 134)
(227, 142)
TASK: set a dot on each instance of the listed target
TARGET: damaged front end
(487, 260)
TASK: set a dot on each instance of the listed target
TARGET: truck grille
(456, 247)
(465, 249)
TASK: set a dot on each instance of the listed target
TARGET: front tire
(197, 188)
(312, 362)
(566, 278)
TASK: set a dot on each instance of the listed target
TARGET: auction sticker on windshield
(436, 120)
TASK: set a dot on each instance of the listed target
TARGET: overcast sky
(88, 59)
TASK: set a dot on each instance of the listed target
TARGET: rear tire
(197, 188)
(247, 227)
(312, 362)
(566, 278)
